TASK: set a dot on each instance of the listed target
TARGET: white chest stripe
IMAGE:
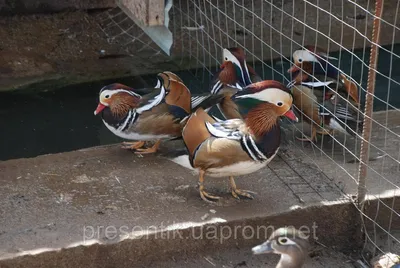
(128, 121)
(248, 149)
(216, 87)
(260, 154)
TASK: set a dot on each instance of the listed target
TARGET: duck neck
(288, 261)
(229, 74)
(120, 110)
(263, 124)
(262, 119)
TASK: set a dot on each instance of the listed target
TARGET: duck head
(265, 101)
(309, 59)
(315, 60)
(312, 60)
(238, 58)
(290, 243)
(230, 74)
(118, 98)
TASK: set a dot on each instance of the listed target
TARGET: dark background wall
(14, 7)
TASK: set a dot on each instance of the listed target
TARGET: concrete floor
(105, 186)
(236, 258)
(342, 164)
(68, 199)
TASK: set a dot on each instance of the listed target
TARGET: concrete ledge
(51, 199)
(185, 243)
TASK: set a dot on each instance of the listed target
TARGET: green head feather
(246, 104)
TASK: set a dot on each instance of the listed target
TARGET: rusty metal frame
(369, 103)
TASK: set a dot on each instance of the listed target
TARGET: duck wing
(340, 115)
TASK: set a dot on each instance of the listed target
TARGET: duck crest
(317, 50)
(116, 86)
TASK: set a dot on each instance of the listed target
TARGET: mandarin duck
(327, 115)
(237, 146)
(233, 75)
(313, 63)
(288, 242)
(325, 109)
(150, 113)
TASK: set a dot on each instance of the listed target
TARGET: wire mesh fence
(345, 37)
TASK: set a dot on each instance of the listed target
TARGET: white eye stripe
(272, 95)
(230, 57)
(106, 94)
(286, 241)
(115, 91)
(304, 55)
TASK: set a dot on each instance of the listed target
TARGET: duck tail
(205, 101)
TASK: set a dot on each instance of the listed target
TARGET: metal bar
(369, 103)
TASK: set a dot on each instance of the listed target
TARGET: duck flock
(249, 135)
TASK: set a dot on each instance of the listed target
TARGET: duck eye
(279, 104)
(226, 58)
(106, 96)
(300, 60)
(283, 241)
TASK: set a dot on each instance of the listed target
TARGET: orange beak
(99, 108)
(290, 114)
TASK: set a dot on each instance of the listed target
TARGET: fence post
(369, 103)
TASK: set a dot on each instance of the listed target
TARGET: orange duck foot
(208, 197)
(150, 150)
(132, 145)
(203, 194)
(237, 193)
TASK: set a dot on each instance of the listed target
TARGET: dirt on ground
(70, 45)
(36, 44)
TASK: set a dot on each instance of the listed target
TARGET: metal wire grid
(257, 26)
(121, 31)
(269, 31)
(213, 25)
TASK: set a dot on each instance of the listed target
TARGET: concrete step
(107, 207)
